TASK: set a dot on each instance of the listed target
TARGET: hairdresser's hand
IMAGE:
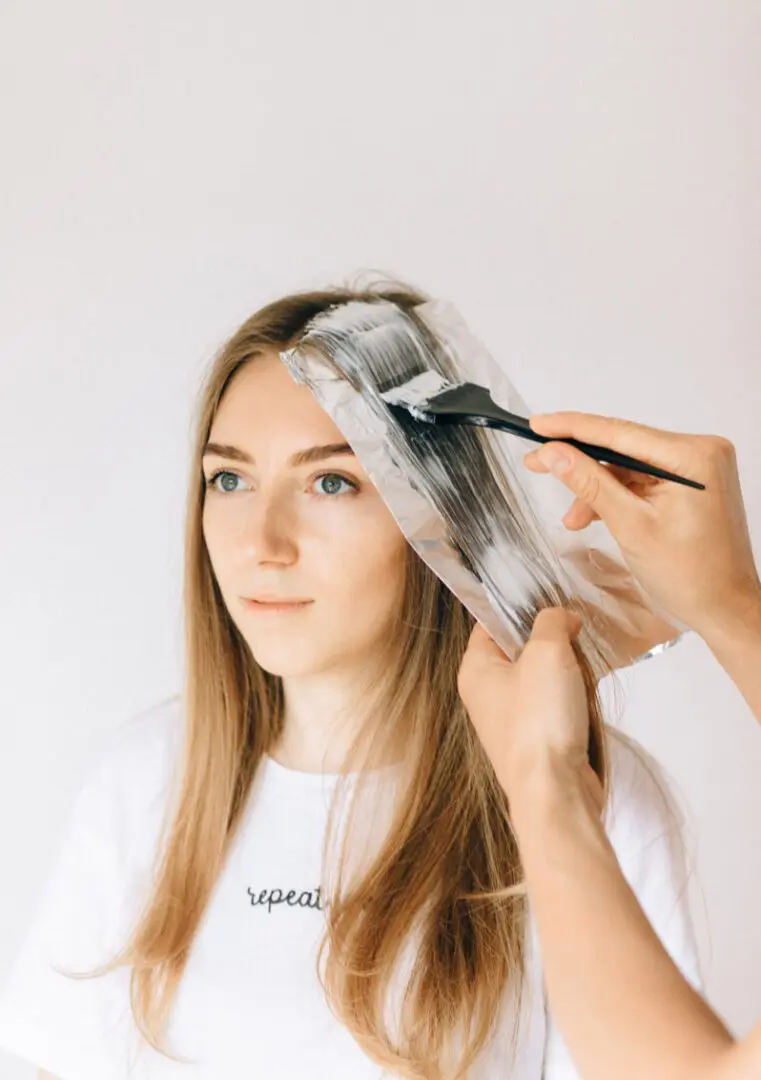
(532, 714)
(689, 549)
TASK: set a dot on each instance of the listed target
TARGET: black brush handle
(520, 426)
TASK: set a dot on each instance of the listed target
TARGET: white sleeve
(644, 825)
(71, 1027)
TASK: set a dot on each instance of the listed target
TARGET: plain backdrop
(580, 179)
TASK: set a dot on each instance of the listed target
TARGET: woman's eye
(333, 482)
(212, 481)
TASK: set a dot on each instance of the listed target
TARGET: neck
(322, 713)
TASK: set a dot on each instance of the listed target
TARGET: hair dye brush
(433, 400)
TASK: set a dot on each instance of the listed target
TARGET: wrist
(547, 786)
(557, 822)
(739, 621)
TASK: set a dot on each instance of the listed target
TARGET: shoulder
(126, 787)
(146, 743)
(149, 740)
(107, 846)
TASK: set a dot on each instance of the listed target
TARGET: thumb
(589, 481)
(556, 624)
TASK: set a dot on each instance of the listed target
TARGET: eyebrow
(301, 457)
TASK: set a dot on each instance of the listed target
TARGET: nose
(271, 530)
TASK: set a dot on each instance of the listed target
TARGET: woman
(623, 1007)
(322, 659)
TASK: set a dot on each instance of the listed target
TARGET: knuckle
(620, 429)
(722, 447)
(714, 450)
(588, 488)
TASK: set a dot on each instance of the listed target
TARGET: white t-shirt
(250, 1004)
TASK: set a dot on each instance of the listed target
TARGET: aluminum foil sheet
(485, 524)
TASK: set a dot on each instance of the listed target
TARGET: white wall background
(581, 179)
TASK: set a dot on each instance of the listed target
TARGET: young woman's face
(315, 530)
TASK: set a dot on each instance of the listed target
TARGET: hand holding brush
(692, 554)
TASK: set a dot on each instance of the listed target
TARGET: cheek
(371, 572)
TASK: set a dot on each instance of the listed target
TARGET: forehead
(262, 397)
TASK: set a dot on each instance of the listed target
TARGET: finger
(555, 624)
(632, 478)
(668, 449)
(579, 516)
(593, 484)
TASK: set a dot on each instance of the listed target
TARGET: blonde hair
(449, 860)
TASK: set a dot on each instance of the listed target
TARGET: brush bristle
(416, 393)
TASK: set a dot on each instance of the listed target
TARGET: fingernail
(554, 460)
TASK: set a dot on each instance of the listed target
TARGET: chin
(289, 663)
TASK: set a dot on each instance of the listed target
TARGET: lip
(274, 604)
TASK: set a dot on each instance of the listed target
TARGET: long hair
(448, 864)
